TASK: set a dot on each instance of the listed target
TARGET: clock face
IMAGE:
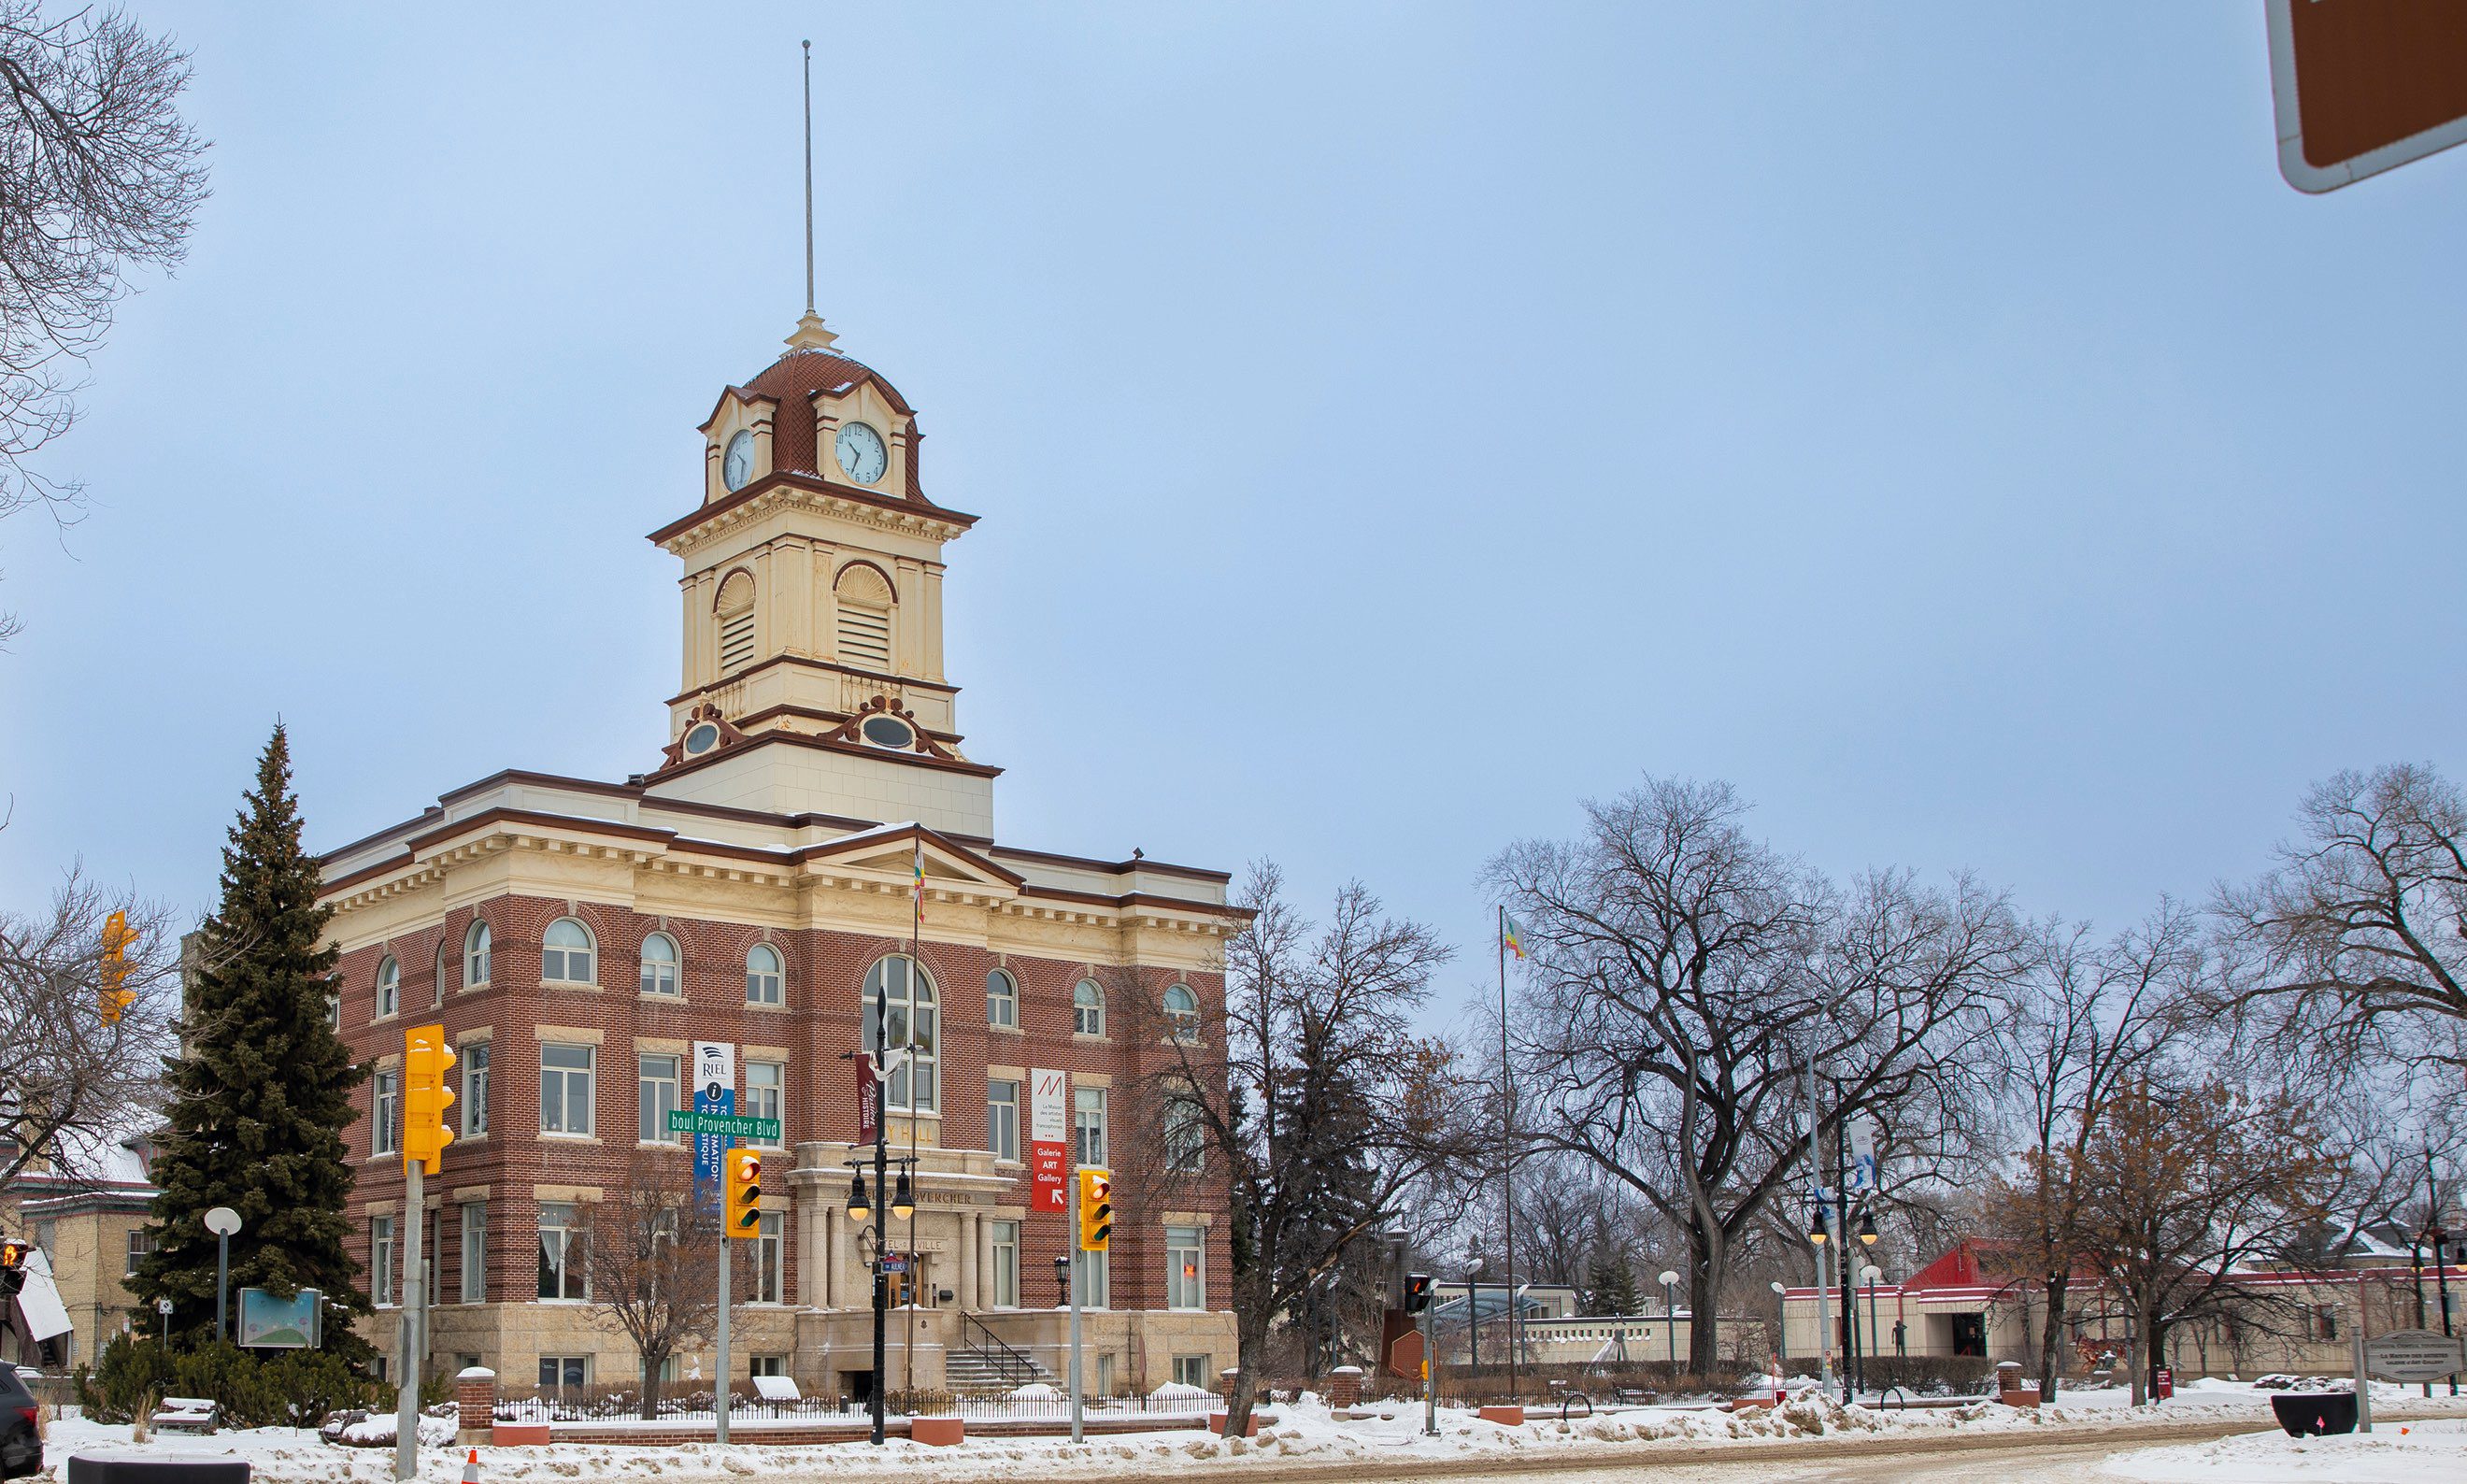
(861, 454)
(736, 465)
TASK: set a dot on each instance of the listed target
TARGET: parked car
(21, 1433)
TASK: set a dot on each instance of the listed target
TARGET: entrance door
(1970, 1334)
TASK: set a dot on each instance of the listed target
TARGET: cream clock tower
(812, 600)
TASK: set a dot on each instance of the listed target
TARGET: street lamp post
(1781, 1330)
(1868, 1275)
(861, 1210)
(223, 1222)
(1473, 1315)
(2438, 1240)
(1671, 1316)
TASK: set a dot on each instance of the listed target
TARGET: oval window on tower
(887, 732)
(701, 739)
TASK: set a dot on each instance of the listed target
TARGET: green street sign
(685, 1120)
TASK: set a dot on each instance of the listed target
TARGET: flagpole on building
(1508, 1146)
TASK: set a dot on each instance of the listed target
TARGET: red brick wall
(823, 973)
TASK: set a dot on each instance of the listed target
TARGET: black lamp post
(2437, 1239)
(1062, 1281)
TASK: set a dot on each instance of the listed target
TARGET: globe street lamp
(1670, 1314)
(1868, 1275)
(224, 1222)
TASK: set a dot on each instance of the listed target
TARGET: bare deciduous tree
(1683, 975)
(70, 1083)
(2359, 938)
(2090, 1017)
(2184, 1186)
(651, 1260)
(1319, 1083)
(98, 172)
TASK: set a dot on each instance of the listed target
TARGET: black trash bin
(2311, 1414)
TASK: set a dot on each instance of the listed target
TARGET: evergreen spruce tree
(1613, 1282)
(262, 1091)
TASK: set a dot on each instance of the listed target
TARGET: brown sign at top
(2365, 86)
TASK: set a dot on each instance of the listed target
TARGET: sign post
(2362, 86)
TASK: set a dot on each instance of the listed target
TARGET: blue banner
(714, 1091)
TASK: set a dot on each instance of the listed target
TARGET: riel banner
(714, 1091)
(1049, 1136)
(869, 1101)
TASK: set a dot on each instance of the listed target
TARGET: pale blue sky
(1392, 424)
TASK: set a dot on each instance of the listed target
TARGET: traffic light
(1418, 1292)
(12, 1267)
(116, 937)
(1096, 1209)
(741, 1208)
(425, 1060)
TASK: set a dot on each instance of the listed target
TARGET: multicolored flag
(920, 877)
(1510, 936)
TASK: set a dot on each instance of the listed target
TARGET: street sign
(2362, 86)
(2415, 1355)
(895, 1264)
(683, 1120)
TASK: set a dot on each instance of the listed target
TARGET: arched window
(566, 955)
(909, 1020)
(865, 602)
(1087, 1008)
(762, 975)
(659, 964)
(475, 956)
(389, 986)
(445, 970)
(1182, 1013)
(735, 611)
(1002, 998)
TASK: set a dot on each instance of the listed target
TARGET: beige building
(92, 1229)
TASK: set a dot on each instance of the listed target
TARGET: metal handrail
(1008, 1359)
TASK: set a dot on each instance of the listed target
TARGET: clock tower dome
(812, 604)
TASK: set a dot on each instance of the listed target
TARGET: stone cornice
(788, 491)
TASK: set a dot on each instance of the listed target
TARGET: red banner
(869, 1101)
(1050, 1188)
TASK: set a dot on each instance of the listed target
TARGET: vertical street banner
(1863, 1154)
(714, 1091)
(868, 1100)
(1049, 1136)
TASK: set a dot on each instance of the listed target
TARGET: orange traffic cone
(471, 1469)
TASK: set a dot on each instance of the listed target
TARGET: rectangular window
(1105, 1369)
(766, 1365)
(1006, 1274)
(561, 1253)
(1094, 1277)
(1185, 1268)
(475, 1089)
(565, 1088)
(475, 1251)
(1002, 1118)
(771, 1260)
(1191, 1370)
(658, 1081)
(384, 1113)
(765, 1089)
(1088, 1117)
(381, 1260)
(557, 1372)
(140, 1242)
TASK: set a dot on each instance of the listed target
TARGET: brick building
(756, 887)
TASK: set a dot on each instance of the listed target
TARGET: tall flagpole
(1507, 1147)
(809, 177)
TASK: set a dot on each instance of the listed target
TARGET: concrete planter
(940, 1432)
(1504, 1416)
(517, 1434)
(1216, 1424)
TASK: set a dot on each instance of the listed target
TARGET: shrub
(288, 1388)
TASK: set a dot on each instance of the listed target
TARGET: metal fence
(689, 1404)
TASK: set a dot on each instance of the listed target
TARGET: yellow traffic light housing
(117, 937)
(1096, 1209)
(426, 1059)
(741, 1204)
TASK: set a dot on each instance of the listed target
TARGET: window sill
(575, 985)
(662, 1143)
(768, 1009)
(564, 1303)
(658, 997)
(473, 989)
(390, 1015)
(563, 1138)
(1100, 1038)
(1006, 1030)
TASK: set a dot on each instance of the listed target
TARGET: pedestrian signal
(1418, 1292)
(741, 1205)
(1096, 1209)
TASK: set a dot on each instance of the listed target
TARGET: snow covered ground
(2414, 1452)
(1307, 1435)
